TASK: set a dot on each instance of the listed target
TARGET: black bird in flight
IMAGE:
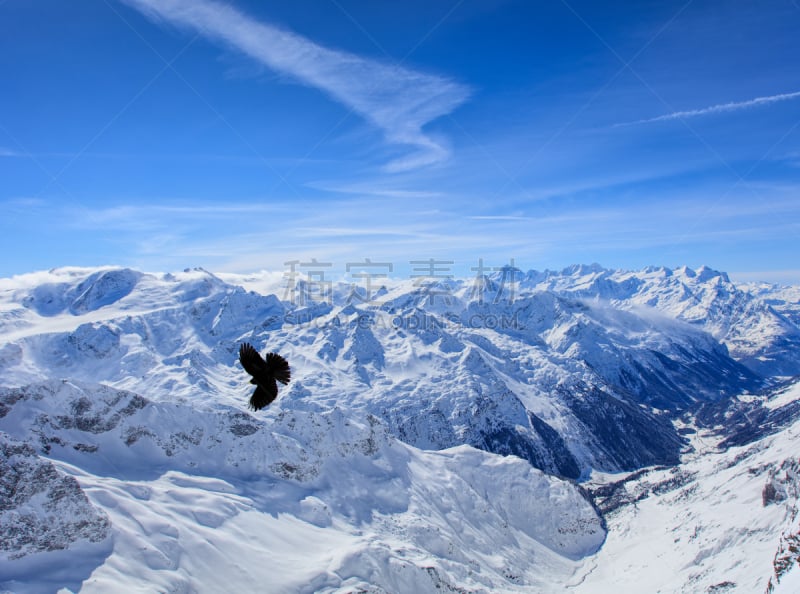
(265, 374)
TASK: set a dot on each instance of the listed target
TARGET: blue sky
(239, 135)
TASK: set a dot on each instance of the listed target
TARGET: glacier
(509, 432)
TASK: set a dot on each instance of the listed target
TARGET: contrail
(721, 108)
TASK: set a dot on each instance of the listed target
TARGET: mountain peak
(583, 269)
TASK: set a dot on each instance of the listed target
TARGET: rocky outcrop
(41, 508)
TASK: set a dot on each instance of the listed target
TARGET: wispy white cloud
(250, 235)
(715, 109)
(377, 188)
(499, 218)
(397, 100)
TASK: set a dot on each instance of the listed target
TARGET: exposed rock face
(783, 488)
(41, 509)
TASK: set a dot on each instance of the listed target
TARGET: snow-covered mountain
(555, 375)
(129, 382)
(758, 323)
(204, 500)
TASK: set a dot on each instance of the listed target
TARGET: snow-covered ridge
(442, 516)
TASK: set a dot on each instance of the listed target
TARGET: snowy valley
(581, 430)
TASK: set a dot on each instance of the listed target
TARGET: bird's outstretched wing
(278, 367)
(251, 360)
(265, 374)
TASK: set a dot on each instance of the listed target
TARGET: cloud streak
(714, 109)
(397, 100)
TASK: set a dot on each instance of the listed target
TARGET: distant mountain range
(129, 382)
